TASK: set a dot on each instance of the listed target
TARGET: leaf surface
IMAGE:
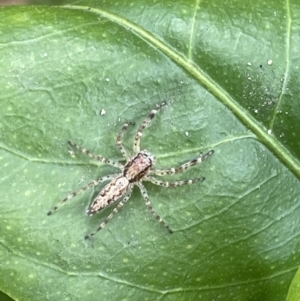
(229, 73)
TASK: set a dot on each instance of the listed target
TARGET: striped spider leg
(173, 171)
(137, 168)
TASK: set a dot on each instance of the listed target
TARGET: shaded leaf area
(4, 297)
(235, 236)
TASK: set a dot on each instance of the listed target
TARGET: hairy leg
(120, 138)
(149, 206)
(183, 167)
(175, 183)
(137, 139)
(96, 157)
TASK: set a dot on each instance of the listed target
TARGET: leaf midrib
(269, 141)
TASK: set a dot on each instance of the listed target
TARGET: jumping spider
(138, 168)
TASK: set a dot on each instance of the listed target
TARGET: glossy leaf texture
(229, 73)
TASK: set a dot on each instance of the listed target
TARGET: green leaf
(294, 292)
(229, 73)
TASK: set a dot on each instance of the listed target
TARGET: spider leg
(120, 137)
(175, 183)
(116, 210)
(183, 167)
(96, 157)
(137, 139)
(149, 206)
(88, 186)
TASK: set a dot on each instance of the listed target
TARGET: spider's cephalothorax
(138, 166)
(137, 169)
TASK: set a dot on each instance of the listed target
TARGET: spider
(138, 168)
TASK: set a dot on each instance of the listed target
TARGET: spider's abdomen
(138, 166)
(109, 194)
